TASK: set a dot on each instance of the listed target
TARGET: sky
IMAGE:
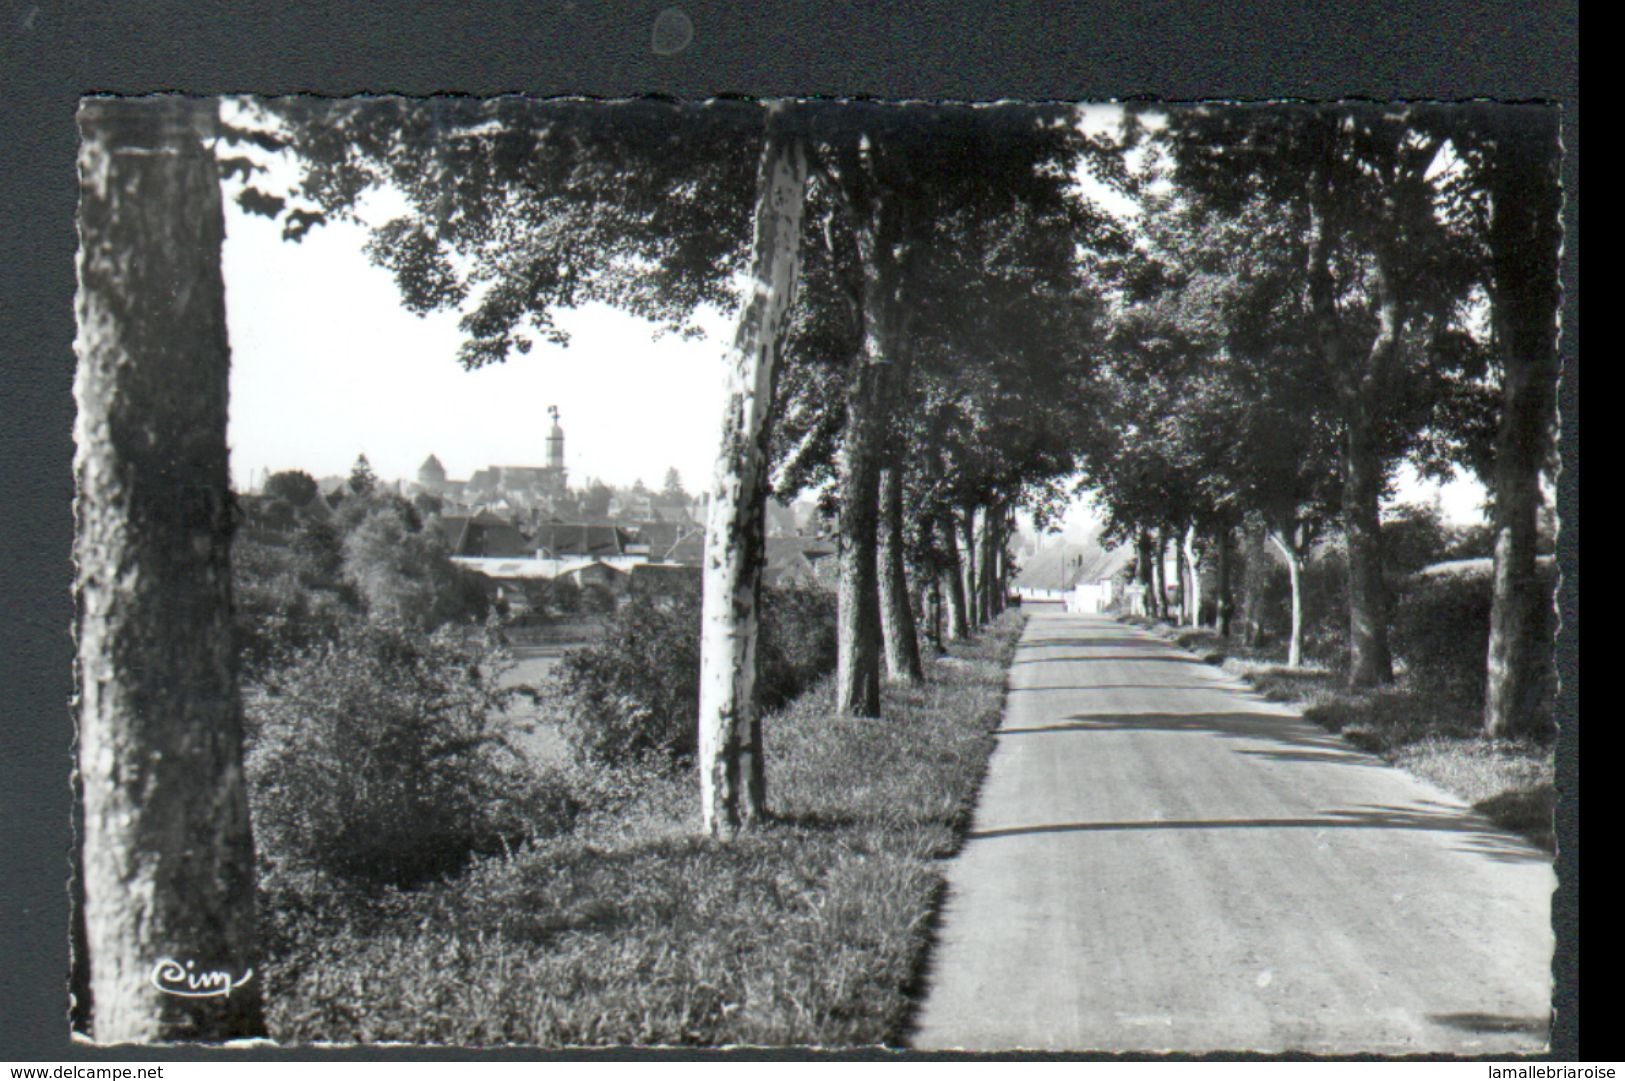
(326, 365)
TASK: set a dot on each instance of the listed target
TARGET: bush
(377, 758)
(635, 693)
(1442, 632)
(798, 642)
(288, 598)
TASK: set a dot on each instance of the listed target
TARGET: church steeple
(555, 441)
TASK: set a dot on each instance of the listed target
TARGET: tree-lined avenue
(1163, 861)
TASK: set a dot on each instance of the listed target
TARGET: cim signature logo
(173, 978)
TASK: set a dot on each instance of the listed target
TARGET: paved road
(1163, 861)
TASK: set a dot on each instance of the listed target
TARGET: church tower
(555, 441)
(555, 454)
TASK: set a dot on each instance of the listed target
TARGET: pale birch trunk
(1294, 566)
(732, 775)
(954, 580)
(167, 853)
(1193, 612)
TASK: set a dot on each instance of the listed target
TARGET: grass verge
(630, 930)
(1425, 733)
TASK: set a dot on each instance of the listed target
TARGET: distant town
(516, 524)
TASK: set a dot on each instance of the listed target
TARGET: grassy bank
(1427, 732)
(630, 930)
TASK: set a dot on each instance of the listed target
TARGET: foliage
(630, 931)
(403, 572)
(1441, 631)
(634, 693)
(288, 597)
(797, 643)
(1416, 535)
(378, 757)
(362, 479)
(295, 486)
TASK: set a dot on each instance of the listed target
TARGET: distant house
(632, 506)
(673, 542)
(432, 475)
(483, 536)
(566, 540)
(799, 561)
(594, 572)
(688, 548)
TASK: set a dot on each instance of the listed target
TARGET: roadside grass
(1423, 730)
(631, 930)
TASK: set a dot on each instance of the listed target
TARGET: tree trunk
(988, 571)
(996, 556)
(1193, 607)
(1360, 383)
(733, 786)
(953, 576)
(863, 453)
(1525, 231)
(1294, 567)
(168, 857)
(1224, 602)
(1159, 570)
(1370, 663)
(934, 618)
(902, 640)
(1255, 579)
(972, 556)
(1147, 576)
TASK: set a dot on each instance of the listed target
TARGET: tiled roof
(571, 539)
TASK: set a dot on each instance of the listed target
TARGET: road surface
(1161, 860)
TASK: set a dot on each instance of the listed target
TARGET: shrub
(295, 486)
(1442, 631)
(635, 692)
(798, 642)
(288, 598)
(377, 758)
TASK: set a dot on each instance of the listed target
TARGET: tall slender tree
(733, 782)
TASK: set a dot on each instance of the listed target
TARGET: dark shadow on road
(1477, 835)
(1224, 687)
(1336, 758)
(1159, 658)
(1289, 731)
(1150, 645)
(1493, 1022)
